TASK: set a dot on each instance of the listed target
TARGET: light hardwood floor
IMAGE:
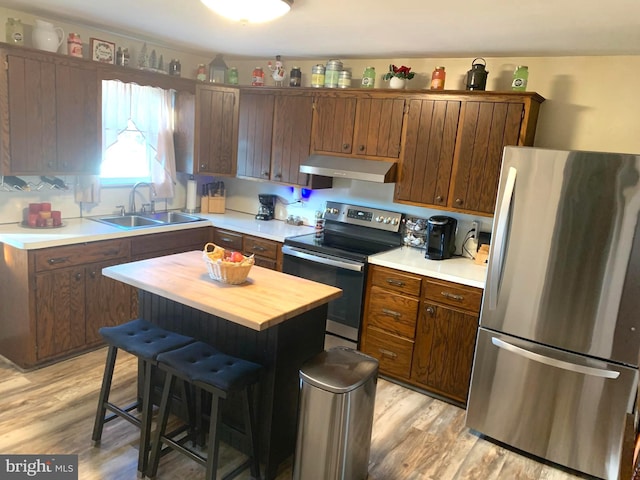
(51, 411)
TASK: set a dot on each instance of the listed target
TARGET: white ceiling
(371, 28)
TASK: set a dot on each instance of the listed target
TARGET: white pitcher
(47, 37)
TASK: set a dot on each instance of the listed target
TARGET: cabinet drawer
(72, 255)
(393, 353)
(396, 281)
(226, 239)
(392, 312)
(260, 246)
(454, 294)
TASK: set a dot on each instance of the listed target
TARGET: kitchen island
(273, 319)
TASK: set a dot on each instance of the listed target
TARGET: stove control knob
(333, 211)
(379, 219)
(387, 220)
(394, 221)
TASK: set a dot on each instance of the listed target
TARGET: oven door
(345, 313)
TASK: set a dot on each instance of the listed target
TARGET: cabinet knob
(265, 174)
(50, 164)
(361, 148)
(345, 146)
(278, 175)
(93, 274)
(459, 201)
(203, 166)
(431, 311)
(78, 276)
(439, 198)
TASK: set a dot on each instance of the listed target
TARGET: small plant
(399, 72)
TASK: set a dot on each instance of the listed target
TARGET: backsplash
(242, 196)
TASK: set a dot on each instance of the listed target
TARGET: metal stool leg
(250, 431)
(145, 424)
(163, 417)
(214, 438)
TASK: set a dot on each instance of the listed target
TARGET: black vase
(477, 76)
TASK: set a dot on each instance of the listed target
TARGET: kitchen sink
(172, 217)
(146, 219)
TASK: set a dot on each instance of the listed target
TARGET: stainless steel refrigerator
(556, 362)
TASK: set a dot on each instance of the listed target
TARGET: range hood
(353, 168)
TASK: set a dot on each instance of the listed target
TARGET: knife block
(216, 204)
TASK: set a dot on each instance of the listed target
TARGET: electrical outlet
(475, 226)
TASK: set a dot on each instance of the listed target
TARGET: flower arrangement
(399, 72)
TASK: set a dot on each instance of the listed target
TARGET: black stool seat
(219, 374)
(143, 339)
(146, 341)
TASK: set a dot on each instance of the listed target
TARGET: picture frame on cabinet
(102, 50)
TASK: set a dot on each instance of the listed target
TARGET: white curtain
(150, 110)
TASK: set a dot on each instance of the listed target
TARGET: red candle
(45, 207)
(32, 219)
(56, 216)
(35, 208)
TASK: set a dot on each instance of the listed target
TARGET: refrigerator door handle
(495, 269)
(594, 372)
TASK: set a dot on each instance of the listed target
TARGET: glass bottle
(233, 76)
(317, 76)
(257, 77)
(369, 77)
(295, 77)
(520, 78)
(437, 78)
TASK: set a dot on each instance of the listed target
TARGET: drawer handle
(452, 296)
(391, 313)
(258, 248)
(113, 251)
(226, 240)
(388, 353)
(393, 281)
(55, 260)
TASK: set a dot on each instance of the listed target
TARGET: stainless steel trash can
(335, 416)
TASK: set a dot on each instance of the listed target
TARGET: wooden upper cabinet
(358, 125)
(432, 126)
(255, 130)
(378, 127)
(333, 123)
(291, 140)
(486, 127)
(216, 130)
(52, 116)
(453, 147)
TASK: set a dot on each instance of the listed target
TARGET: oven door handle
(322, 259)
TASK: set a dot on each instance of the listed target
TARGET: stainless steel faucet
(132, 196)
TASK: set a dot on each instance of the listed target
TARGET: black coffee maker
(441, 237)
(267, 208)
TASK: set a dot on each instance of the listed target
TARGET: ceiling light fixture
(251, 11)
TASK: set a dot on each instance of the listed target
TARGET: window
(137, 133)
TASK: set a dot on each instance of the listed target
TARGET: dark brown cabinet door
(291, 138)
(334, 120)
(31, 88)
(216, 130)
(255, 130)
(60, 307)
(443, 352)
(78, 106)
(379, 127)
(54, 125)
(486, 128)
(108, 302)
(432, 126)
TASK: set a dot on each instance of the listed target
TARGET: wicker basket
(232, 273)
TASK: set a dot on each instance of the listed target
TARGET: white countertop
(80, 230)
(409, 259)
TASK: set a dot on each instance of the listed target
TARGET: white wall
(591, 104)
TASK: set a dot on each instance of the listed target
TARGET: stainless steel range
(338, 257)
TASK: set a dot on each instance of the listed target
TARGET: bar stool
(219, 374)
(146, 341)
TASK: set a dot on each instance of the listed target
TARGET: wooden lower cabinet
(57, 298)
(267, 253)
(421, 330)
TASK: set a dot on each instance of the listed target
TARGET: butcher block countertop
(266, 299)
